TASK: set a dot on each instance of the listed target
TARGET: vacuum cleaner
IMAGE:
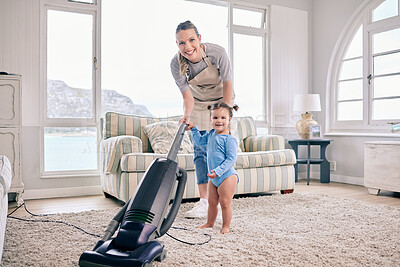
(145, 217)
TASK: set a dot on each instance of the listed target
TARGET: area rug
(270, 230)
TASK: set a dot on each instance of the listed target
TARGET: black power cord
(49, 221)
(95, 235)
(189, 243)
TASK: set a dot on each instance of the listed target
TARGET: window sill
(74, 175)
(363, 134)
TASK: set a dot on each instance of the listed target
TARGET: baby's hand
(190, 126)
(212, 175)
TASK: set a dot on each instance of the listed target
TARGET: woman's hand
(184, 119)
(212, 175)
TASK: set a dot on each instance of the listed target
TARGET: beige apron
(207, 89)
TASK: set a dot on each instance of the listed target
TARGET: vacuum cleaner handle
(176, 144)
(182, 177)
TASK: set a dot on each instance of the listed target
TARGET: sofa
(263, 164)
(5, 183)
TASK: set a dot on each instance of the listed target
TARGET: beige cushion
(235, 133)
(161, 135)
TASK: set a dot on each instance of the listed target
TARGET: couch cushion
(263, 143)
(139, 162)
(235, 133)
(245, 127)
(122, 124)
(5, 183)
(5, 175)
(162, 134)
(260, 159)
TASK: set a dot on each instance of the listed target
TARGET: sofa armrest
(256, 143)
(5, 175)
(113, 148)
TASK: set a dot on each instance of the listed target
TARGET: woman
(203, 74)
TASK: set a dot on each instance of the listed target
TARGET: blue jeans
(200, 162)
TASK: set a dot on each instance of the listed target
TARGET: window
(69, 122)
(249, 37)
(386, 9)
(365, 94)
(385, 77)
(350, 86)
(136, 56)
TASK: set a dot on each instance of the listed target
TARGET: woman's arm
(188, 103)
(227, 92)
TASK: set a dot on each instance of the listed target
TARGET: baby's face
(220, 120)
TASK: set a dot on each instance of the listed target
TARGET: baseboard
(62, 192)
(347, 179)
(335, 178)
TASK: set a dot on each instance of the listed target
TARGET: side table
(324, 164)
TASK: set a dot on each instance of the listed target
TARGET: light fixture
(306, 103)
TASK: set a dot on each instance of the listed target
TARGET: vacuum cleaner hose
(113, 225)
(182, 177)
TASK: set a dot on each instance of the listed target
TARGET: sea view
(70, 153)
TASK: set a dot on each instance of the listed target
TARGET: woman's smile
(190, 53)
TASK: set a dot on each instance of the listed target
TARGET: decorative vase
(303, 125)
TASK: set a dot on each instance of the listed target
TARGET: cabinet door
(9, 146)
(10, 101)
(381, 165)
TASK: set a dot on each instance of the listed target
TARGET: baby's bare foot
(207, 225)
(225, 230)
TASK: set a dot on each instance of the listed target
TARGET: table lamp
(306, 103)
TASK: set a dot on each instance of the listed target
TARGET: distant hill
(66, 102)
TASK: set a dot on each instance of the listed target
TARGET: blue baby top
(221, 153)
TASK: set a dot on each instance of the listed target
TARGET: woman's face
(189, 45)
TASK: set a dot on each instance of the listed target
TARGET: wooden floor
(76, 204)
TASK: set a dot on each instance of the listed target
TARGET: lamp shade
(306, 103)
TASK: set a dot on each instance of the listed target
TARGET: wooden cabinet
(381, 166)
(10, 128)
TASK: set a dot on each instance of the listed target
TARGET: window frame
(260, 32)
(365, 126)
(81, 8)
